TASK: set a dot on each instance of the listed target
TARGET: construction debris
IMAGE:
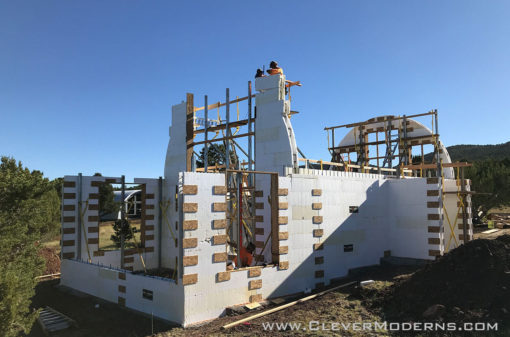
(270, 311)
(500, 220)
(52, 320)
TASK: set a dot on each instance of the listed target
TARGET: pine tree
(29, 209)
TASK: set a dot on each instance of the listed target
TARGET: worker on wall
(274, 69)
(244, 257)
(259, 73)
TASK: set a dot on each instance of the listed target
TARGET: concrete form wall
(82, 243)
(455, 217)
(175, 162)
(316, 230)
(275, 143)
(126, 289)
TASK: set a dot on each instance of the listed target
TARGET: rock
(457, 311)
(236, 310)
(433, 311)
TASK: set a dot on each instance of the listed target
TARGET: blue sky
(87, 86)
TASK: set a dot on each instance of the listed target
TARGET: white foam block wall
(453, 212)
(385, 221)
(392, 216)
(110, 257)
(363, 230)
(406, 217)
(103, 282)
(263, 183)
(275, 144)
(175, 162)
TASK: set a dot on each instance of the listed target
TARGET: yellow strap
(136, 241)
(82, 214)
(237, 98)
(175, 268)
(164, 213)
(355, 143)
(452, 231)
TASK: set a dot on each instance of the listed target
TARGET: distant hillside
(476, 152)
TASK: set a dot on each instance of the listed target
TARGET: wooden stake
(281, 307)
(189, 131)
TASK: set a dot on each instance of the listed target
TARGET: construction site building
(230, 181)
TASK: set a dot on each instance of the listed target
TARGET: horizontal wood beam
(434, 166)
(219, 104)
(378, 120)
(224, 126)
(371, 168)
(223, 138)
(246, 171)
(383, 142)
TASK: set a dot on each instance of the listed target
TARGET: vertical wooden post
(206, 145)
(464, 215)
(240, 211)
(377, 150)
(80, 212)
(250, 137)
(438, 159)
(333, 143)
(189, 131)
(274, 219)
(122, 219)
(144, 215)
(422, 160)
(160, 220)
(227, 129)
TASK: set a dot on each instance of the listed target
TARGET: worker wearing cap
(274, 69)
(259, 73)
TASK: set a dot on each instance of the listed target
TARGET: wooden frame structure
(204, 125)
(241, 209)
(383, 161)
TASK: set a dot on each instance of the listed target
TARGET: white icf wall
(406, 217)
(453, 218)
(319, 240)
(175, 162)
(82, 242)
(126, 289)
(324, 238)
(275, 143)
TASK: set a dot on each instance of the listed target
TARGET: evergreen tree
(29, 209)
(123, 227)
(215, 155)
(490, 176)
(107, 202)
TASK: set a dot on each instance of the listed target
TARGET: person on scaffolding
(244, 257)
(274, 69)
(259, 73)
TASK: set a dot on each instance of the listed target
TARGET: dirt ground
(106, 320)
(52, 258)
(479, 235)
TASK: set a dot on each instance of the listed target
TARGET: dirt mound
(470, 283)
(52, 260)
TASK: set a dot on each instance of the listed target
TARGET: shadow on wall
(355, 231)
